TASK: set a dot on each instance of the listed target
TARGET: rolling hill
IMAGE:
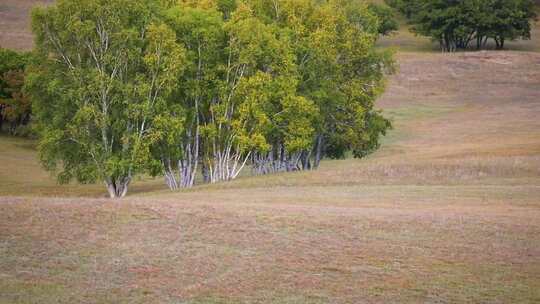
(447, 211)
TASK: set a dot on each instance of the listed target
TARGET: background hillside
(15, 30)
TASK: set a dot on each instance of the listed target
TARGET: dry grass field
(15, 30)
(447, 211)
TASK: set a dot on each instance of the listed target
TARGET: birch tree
(339, 69)
(100, 87)
(235, 76)
(234, 129)
(200, 28)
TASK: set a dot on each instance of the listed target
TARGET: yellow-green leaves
(164, 57)
(137, 86)
(101, 85)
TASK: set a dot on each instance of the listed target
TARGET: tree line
(200, 90)
(461, 24)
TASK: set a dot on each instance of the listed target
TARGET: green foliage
(12, 60)
(387, 22)
(506, 20)
(406, 7)
(455, 24)
(338, 68)
(125, 87)
(103, 76)
(15, 106)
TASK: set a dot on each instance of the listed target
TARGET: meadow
(447, 211)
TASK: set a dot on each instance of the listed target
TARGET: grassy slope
(22, 174)
(15, 30)
(447, 211)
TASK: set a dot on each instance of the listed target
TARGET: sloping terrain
(447, 211)
(15, 32)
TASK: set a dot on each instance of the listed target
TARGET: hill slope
(448, 211)
(15, 30)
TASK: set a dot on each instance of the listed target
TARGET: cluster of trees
(456, 24)
(387, 22)
(203, 87)
(15, 106)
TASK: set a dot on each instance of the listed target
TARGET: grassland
(15, 30)
(447, 211)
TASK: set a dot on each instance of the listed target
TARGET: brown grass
(200, 250)
(21, 174)
(448, 211)
(15, 32)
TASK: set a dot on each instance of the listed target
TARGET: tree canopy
(101, 87)
(457, 23)
(170, 88)
(15, 107)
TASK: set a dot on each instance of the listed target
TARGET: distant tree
(508, 20)
(15, 105)
(451, 23)
(385, 15)
(100, 86)
(456, 23)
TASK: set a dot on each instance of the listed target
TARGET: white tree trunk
(118, 188)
